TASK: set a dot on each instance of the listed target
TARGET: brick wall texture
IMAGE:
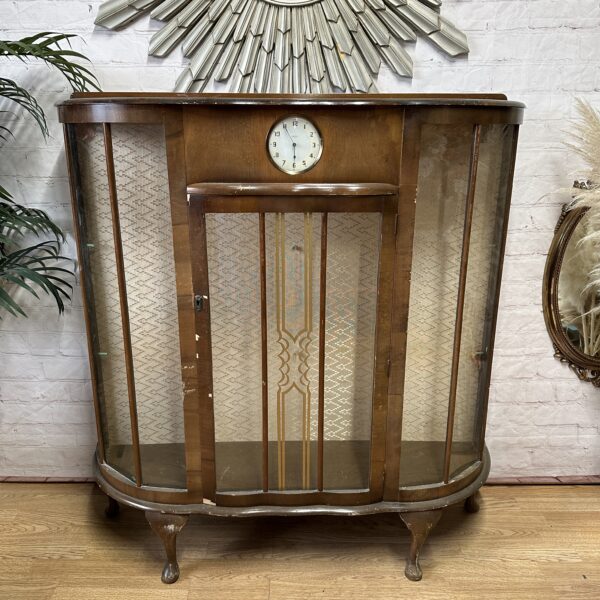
(546, 53)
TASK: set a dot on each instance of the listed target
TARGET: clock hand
(291, 140)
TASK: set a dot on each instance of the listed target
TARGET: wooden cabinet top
(358, 100)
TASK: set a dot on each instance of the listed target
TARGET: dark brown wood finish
(204, 350)
(264, 356)
(182, 253)
(167, 526)
(408, 178)
(387, 205)
(116, 226)
(319, 203)
(216, 148)
(460, 303)
(382, 349)
(342, 190)
(112, 508)
(420, 525)
(322, 324)
(235, 149)
(473, 503)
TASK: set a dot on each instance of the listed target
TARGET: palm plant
(37, 266)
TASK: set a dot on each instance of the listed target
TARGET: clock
(294, 145)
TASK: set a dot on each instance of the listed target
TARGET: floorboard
(538, 542)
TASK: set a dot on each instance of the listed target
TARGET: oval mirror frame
(585, 367)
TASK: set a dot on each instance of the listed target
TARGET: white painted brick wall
(542, 421)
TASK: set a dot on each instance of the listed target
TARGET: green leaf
(46, 46)
(16, 220)
(10, 305)
(11, 91)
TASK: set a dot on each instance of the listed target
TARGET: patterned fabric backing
(484, 253)
(442, 189)
(442, 186)
(103, 272)
(144, 209)
(145, 213)
(352, 267)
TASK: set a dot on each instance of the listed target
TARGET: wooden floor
(537, 542)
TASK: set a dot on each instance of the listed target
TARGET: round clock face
(294, 145)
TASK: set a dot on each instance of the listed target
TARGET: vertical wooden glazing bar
(382, 347)
(265, 367)
(460, 303)
(484, 388)
(199, 245)
(86, 288)
(186, 315)
(405, 227)
(321, 392)
(308, 320)
(116, 226)
(279, 299)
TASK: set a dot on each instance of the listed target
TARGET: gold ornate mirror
(570, 298)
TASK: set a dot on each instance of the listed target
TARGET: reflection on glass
(437, 249)
(293, 254)
(101, 279)
(351, 305)
(143, 201)
(480, 292)
(578, 292)
(234, 284)
(434, 298)
(140, 161)
(293, 271)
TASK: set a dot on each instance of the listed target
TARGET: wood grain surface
(526, 542)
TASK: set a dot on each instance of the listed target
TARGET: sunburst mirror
(295, 46)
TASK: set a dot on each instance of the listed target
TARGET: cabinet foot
(167, 526)
(419, 524)
(112, 508)
(473, 503)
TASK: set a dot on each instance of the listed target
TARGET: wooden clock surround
(271, 344)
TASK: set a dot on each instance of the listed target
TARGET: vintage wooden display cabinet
(290, 301)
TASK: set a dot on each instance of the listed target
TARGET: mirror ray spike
(316, 46)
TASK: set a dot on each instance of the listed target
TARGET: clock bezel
(275, 124)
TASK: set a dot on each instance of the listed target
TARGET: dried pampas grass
(579, 283)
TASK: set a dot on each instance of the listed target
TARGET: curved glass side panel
(142, 181)
(102, 290)
(485, 246)
(148, 301)
(437, 249)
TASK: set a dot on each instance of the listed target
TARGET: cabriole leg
(473, 503)
(167, 526)
(112, 508)
(419, 525)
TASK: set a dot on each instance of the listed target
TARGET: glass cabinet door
(293, 309)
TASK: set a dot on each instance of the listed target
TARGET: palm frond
(46, 46)
(15, 93)
(35, 267)
(17, 220)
